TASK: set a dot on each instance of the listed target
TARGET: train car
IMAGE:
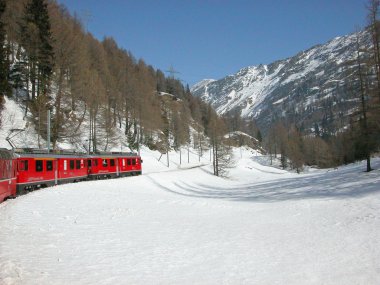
(72, 168)
(38, 168)
(113, 164)
(129, 164)
(7, 175)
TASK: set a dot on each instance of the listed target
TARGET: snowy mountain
(309, 88)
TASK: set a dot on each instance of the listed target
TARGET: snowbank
(181, 225)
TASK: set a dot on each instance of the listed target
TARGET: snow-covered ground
(181, 225)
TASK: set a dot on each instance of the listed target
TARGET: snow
(239, 133)
(309, 67)
(182, 225)
(12, 118)
(165, 94)
(280, 101)
(202, 84)
(249, 87)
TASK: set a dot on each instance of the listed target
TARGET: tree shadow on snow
(337, 184)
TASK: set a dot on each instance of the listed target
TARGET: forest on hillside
(95, 90)
(49, 62)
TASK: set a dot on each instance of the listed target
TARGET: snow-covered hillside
(307, 88)
(182, 225)
(24, 134)
(12, 118)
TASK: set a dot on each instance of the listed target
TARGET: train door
(48, 169)
(113, 166)
(89, 166)
(117, 166)
(56, 172)
(9, 175)
(4, 184)
(92, 165)
(22, 169)
(12, 183)
(95, 165)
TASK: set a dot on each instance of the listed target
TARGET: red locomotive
(37, 169)
(7, 175)
(28, 169)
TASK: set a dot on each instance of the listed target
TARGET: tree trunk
(57, 122)
(364, 126)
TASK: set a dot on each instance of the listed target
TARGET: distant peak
(202, 83)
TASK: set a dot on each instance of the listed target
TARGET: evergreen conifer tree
(259, 136)
(36, 39)
(4, 62)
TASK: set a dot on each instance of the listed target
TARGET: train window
(72, 164)
(133, 161)
(65, 164)
(9, 168)
(105, 162)
(89, 162)
(78, 164)
(123, 160)
(23, 165)
(128, 161)
(49, 165)
(112, 162)
(5, 169)
(39, 165)
(96, 162)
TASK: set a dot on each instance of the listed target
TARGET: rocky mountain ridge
(312, 88)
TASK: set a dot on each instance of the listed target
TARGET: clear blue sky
(214, 38)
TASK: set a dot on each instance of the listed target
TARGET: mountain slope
(313, 87)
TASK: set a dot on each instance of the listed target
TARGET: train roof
(49, 155)
(5, 153)
(44, 153)
(113, 154)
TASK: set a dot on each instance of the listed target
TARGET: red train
(7, 175)
(25, 170)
